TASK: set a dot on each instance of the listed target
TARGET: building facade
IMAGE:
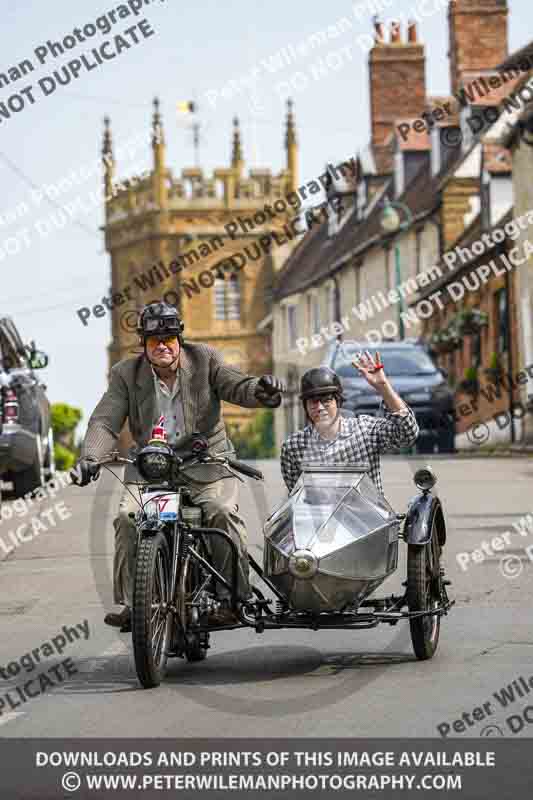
(442, 164)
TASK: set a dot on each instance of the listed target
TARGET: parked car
(26, 438)
(413, 375)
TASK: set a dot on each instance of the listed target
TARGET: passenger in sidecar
(331, 438)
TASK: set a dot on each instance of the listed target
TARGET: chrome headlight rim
(155, 454)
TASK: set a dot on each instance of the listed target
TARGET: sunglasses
(325, 399)
(169, 341)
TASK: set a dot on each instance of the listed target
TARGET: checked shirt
(360, 439)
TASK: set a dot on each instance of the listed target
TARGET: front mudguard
(423, 510)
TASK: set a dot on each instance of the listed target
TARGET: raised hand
(371, 369)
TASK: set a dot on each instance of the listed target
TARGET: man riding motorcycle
(184, 383)
(331, 438)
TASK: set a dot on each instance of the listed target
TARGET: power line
(22, 175)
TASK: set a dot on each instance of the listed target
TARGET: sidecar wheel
(423, 562)
(151, 621)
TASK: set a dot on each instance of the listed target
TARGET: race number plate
(164, 506)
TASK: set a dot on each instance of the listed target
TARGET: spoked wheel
(195, 643)
(423, 594)
(151, 616)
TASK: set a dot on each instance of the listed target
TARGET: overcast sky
(204, 51)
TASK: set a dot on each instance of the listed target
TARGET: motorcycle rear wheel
(423, 571)
(151, 615)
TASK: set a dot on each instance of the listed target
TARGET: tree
(64, 421)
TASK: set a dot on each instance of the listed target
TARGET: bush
(64, 420)
(255, 440)
(65, 459)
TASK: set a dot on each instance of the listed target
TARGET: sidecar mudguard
(423, 509)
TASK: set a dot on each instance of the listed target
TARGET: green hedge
(255, 440)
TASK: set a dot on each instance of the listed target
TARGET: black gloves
(85, 471)
(268, 391)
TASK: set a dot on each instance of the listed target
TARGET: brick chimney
(397, 84)
(478, 36)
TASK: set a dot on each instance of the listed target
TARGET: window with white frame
(292, 333)
(332, 303)
(315, 313)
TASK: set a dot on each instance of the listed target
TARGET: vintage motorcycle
(326, 549)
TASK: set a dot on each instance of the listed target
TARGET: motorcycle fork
(176, 554)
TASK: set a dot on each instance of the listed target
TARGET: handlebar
(251, 472)
(192, 459)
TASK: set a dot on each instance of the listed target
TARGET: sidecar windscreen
(336, 507)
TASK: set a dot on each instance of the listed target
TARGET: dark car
(414, 376)
(26, 440)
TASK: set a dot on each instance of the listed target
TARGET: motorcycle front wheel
(423, 575)
(151, 615)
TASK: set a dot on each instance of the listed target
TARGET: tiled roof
(319, 256)
(303, 263)
(470, 235)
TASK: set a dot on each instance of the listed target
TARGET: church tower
(204, 243)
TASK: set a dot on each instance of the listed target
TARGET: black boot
(121, 620)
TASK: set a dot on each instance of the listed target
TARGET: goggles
(169, 340)
(325, 399)
(152, 324)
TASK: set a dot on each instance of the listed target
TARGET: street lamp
(392, 224)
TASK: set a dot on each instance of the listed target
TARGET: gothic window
(220, 298)
(227, 298)
(233, 297)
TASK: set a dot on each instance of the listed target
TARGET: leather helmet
(319, 381)
(159, 319)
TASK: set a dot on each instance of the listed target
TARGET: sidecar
(333, 542)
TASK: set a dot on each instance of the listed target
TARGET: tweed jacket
(204, 382)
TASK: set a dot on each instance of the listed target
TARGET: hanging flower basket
(469, 386)
(471, 320)
(448, 340)
(470, 383)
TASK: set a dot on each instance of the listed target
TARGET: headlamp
(154, 462)
(303, 564)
